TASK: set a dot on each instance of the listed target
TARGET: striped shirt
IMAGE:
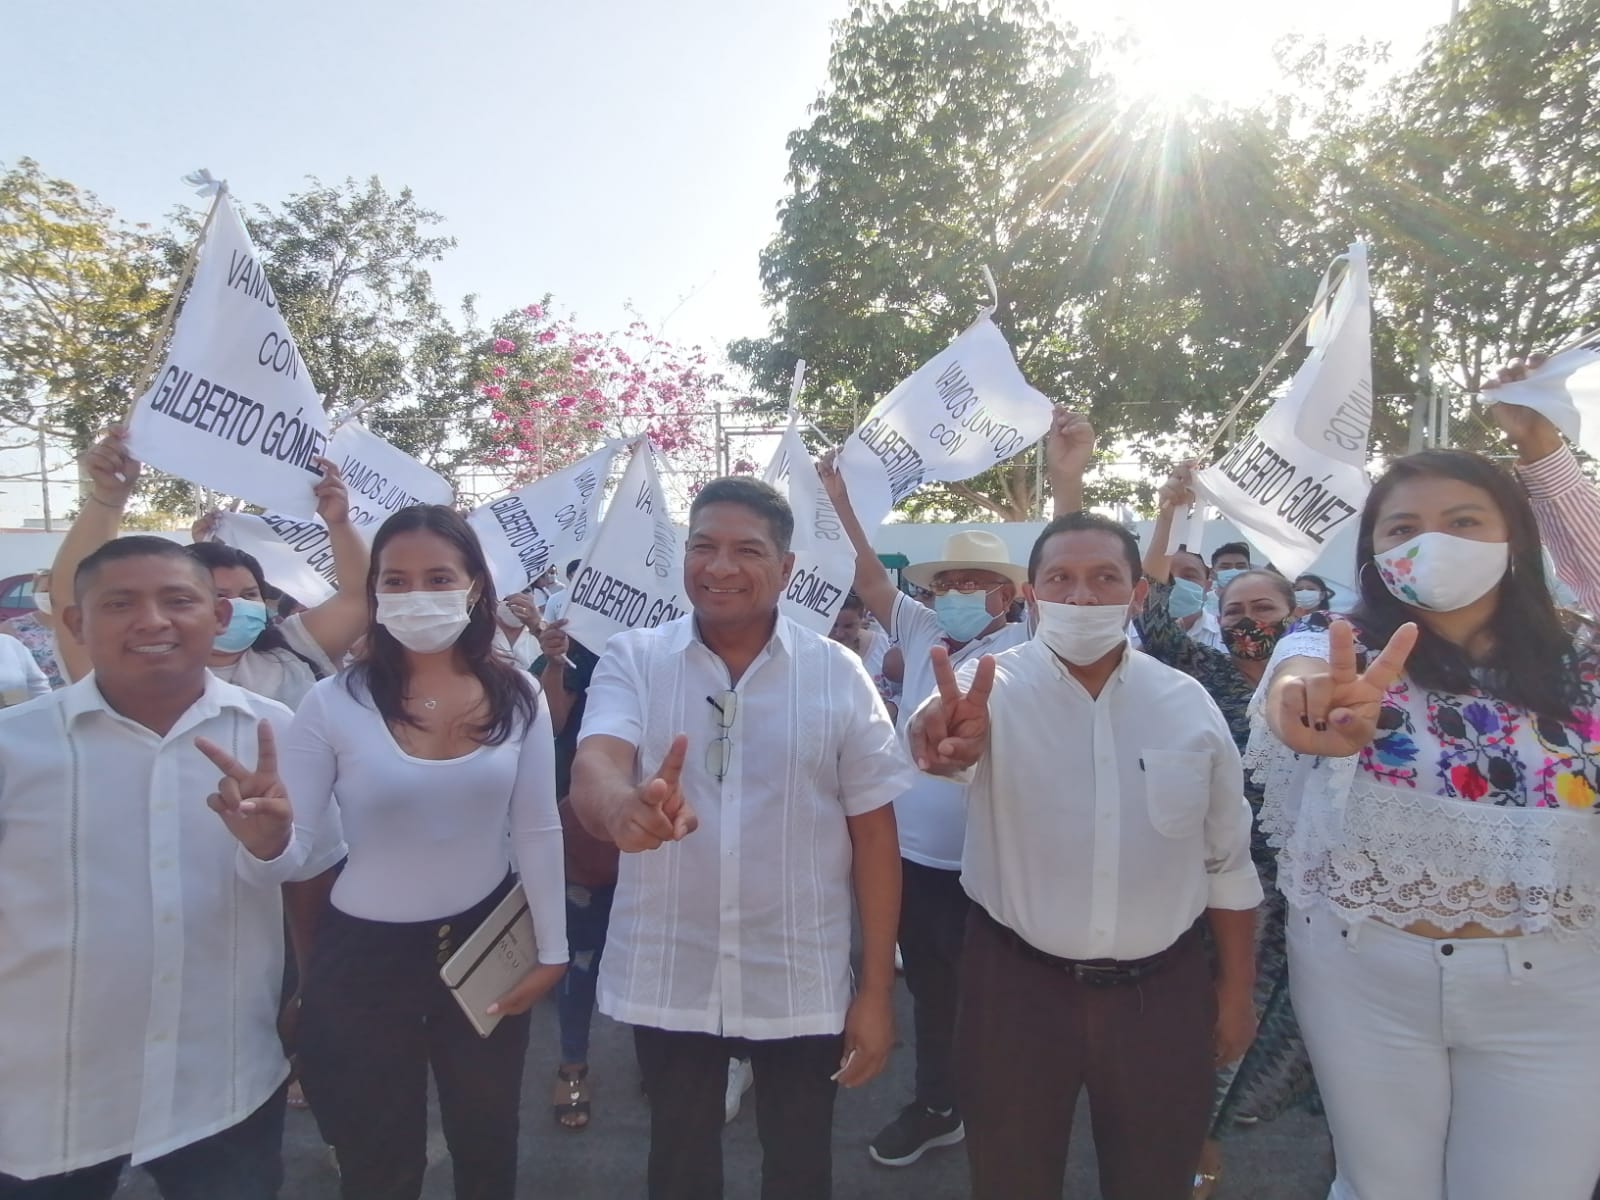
(743, 928)
(1567, 508)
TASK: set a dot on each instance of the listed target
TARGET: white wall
(24, 550)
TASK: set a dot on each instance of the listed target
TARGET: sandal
(571, 1103)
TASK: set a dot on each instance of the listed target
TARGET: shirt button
(442, 957)
(1447, 948)
(444, 931)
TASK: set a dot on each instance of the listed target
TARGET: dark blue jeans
(588, 918)
(242, 1162)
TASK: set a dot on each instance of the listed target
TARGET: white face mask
(425, 622)
(41, 601)
(1441, 572)
(1082, 633)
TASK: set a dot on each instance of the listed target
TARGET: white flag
(1565, 388)
(382, 479)
(1300, 476)
(632, 575)
(965, 410)
(824, 560)
(233, 407)
(524, 532)
(295, 553)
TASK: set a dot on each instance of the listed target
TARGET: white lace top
(1463, 809)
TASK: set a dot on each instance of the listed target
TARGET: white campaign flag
(381, 479)
(824, 561)
(1565, 388)
(233, 407)
(632, 575)
(526, 531)
(965, 410)
(295, 553)
(1294, 483)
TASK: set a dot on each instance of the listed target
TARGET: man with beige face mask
(1105, 818)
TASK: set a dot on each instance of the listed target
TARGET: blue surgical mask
(1226, 576)
(963, 615)
(244, 626)
(1187, 598)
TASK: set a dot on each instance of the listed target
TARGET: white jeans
(1466, 1069)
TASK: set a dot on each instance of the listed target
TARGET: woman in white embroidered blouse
(1438, 834)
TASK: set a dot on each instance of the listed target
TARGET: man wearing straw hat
(973, 583)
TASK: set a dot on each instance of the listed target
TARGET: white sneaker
(740, 1077)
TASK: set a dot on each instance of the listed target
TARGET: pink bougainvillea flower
(525, 384)
(548, 336)
(594, 425)
(504, 346)
(568, 402)
(493, 392)
(499, 372)
(534, 311)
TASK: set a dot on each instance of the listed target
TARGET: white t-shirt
(20, 676)
(932, 813)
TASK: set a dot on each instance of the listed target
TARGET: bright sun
(1175, 58)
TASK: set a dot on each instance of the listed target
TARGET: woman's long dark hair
(218, 556)
(385, 671)
(1322, 586)
(1530, 661)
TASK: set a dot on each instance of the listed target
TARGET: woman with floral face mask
(1431, 772)
(439, 755)
(1253, 610)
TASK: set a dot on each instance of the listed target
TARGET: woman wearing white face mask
(1438, 835)
(37, 631)
(439, 755)
(1254, 610)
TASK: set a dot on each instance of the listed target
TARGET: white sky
(604, 152)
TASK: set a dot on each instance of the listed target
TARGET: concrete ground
(1288, 1159)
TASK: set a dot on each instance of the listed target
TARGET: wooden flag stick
(152, 360)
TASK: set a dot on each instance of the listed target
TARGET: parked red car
(16, 596)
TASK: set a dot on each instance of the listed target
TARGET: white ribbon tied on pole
(232, 407)
(965, 410)
(632, 576)
(527, 531)
(1296, 481)
(1566, 389)
(824, 561)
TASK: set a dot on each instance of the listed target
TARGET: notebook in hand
(492, 960)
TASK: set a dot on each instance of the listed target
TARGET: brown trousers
(1030, 1037)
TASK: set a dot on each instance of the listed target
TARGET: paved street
(1287, 1160)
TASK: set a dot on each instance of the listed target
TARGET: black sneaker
(913, 1133)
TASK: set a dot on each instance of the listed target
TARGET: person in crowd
(517, 624)
(37, 630)
(854, 630)
(20, 676)
(555, 608)
(565, 668)
(1255, 611)
(746, 768)
(973, 587)
(1431, 770)
(1228, 560)
(1311, 595)
(440, 758)
(281, 661)
(141, 938)
(1106, 824)
(1187, 601)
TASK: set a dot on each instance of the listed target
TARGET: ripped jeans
(588, 918)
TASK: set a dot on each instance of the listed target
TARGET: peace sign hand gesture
(658, 812)
(1330, 709)
(951, 731)
(253, 804)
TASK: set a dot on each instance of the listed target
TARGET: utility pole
(44, 473)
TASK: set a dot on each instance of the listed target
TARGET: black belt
(1097, 972)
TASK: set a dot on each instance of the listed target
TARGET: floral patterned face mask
(1253, 640)
(1441, 572)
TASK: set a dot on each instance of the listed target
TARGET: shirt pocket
(1177, 785)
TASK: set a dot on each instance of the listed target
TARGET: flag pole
(147, 371)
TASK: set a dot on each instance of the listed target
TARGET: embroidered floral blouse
(41, 643)
(1464, 808)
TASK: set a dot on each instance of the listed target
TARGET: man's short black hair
(853, 602)
(1230, 548)
(1087, 522)
(573, 566)
(138, 545)
(760, 498)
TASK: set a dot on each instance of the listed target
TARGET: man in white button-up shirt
(141, 938)
(1106, 817)
(748, 765)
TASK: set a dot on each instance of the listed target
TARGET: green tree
(81, 294)
(1147, 264)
